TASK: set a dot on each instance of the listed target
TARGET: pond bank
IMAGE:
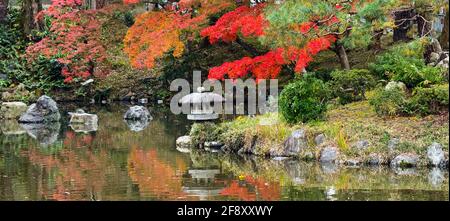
(351, 135)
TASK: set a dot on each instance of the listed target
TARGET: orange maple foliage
(152, 35)
(159, 32)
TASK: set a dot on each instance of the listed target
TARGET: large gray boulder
(435, 155)
(12, 110)
(329, 154)
(295, 143)
(43, 111)
(405, 160)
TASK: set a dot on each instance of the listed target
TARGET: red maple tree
(249, 22)
(74, 40)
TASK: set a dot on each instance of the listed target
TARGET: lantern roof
(201, 97)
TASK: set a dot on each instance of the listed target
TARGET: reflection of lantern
(201, 104)
(202, 183)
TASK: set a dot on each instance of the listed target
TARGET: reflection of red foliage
(154, 176)
(265, 191)
(76, 171)
(80, 140)
(131, 1)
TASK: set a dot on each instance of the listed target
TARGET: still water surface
(117, 163)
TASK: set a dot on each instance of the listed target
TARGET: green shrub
(405, 63)
(12, 45)
(389, 102)
(43, 74)
(205, 132)
(351, 85)
(304, 100)
(429, 100)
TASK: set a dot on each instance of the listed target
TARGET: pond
(117, 163)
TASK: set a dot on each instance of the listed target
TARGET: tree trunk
(402, 23)
(376, 42)
(424, 26)
(29, 10)
(343, 58)
(443, 39)
(3, 10)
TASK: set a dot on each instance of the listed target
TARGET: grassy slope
(343, 127)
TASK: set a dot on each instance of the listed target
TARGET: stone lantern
(200, 111)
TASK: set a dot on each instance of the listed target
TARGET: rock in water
(12, 110)
(83, 122)
(329, 155)
(137, 125)
(374, 159)
(83, 118)
(436, 177)
(405, 160)
(11, 127)
(353, 162)
(44, 110)
(184, 142)
(137, 118)
(435, 155)
(45, 134)
(295, 143)
(137, 113)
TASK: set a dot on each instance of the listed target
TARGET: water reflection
(116, 163)
(45, 134)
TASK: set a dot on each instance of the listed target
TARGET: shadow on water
(120, 161)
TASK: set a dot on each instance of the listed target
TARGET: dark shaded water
(116, 163)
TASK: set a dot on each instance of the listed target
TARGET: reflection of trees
(78, 173)
(248, 189)
(251, 189)
(307, 181)
(155, 177)
(84, 166)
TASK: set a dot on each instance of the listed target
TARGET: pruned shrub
(351, 85)
(389, 102)
(429, 100)
(304, 100)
